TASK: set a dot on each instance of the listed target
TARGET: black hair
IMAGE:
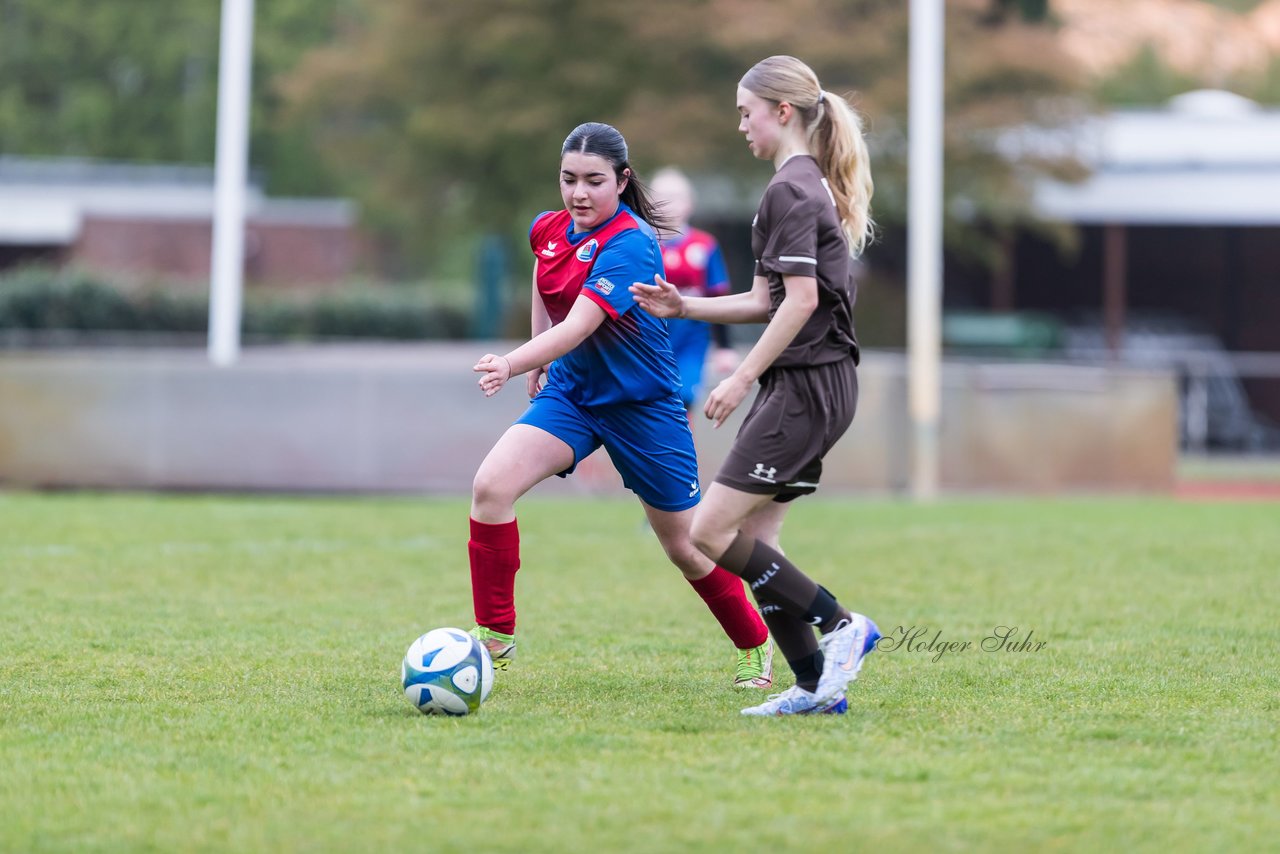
(605, 141)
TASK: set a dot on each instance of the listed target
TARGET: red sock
(725, 596)
(495, 557)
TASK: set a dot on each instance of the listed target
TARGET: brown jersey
(797, 232)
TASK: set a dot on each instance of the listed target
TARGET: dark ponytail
(605, 141)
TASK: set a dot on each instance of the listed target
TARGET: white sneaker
(797, 701)
(842, 653)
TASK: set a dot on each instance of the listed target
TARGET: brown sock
(775, 579)
(797, 643)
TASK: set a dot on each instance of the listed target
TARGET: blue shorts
(689, 361)
(650, 443)
(689, 342)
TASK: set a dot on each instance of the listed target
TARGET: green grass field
(197, 674)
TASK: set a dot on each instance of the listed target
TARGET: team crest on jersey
(588, 250)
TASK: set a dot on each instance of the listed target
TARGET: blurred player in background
(610, 379)
(814, 217)
(695, 265)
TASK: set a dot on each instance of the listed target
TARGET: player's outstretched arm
(799, 303)
(661, 299)
(584, 318)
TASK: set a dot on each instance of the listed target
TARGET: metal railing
(1215, 408)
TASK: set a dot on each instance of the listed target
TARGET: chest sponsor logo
(587, 251)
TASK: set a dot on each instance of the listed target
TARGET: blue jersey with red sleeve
(695, 265)
(628, 357)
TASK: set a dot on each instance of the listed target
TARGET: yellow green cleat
(755, 667)
(502, 648)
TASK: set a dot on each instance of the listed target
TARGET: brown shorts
(796, 418)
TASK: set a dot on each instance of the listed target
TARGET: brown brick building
(149, 222)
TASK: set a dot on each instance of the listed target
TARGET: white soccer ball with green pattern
(447, 672)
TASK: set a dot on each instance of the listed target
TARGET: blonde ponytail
(838, 145)
(835, 138)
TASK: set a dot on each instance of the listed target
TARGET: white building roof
(1210, 158)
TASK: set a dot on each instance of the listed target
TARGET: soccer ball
(447, 672)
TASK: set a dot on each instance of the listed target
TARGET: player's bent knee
(692, 564)
(688, 560)
(490, 492)
(678, 549)
(710, 541)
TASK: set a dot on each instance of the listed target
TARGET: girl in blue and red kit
(600, 371)
(695, 265)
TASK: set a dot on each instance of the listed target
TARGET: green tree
(1030, 10)
(447, 118)
(134, 80)
(109, 80)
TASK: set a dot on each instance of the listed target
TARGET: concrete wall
(410, 419)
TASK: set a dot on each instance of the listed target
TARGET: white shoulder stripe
(830, 194)
(798, 259)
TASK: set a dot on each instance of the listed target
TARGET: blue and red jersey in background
(695, 265)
